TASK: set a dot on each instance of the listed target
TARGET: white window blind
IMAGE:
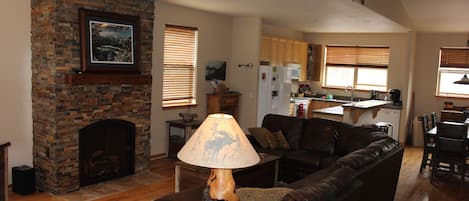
(360, 67)
(179, 66)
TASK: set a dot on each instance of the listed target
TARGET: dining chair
(433, 119)
(428, 143)
(451, 148)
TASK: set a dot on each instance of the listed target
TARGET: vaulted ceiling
(374, 16)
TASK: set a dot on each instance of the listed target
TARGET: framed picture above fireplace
(110, 42)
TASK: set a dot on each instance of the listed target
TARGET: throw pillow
(281, 140)
(271, 140)
(260, 134)
(261, 194)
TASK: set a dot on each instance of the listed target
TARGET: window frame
(356, 68)
(444, 66)
(191, 100)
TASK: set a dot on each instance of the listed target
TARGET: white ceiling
(342, 15)
(438, 15)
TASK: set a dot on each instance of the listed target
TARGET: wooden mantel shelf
(107, 79)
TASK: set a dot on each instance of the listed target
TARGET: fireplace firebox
(107, 151)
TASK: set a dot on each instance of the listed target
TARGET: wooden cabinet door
(266, 52)
(274, 52)
(289, 51)
(315, 62)
(281, 52)
(303, 59)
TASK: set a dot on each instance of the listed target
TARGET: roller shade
(179, 65)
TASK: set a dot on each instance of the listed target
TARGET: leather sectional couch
(330, 160)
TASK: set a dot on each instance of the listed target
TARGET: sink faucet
(352, 90)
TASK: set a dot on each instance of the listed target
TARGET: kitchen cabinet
(281, 51)
(320, 104)
(314, 62)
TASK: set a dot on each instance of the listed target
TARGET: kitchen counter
(337, 110)
(369, 104)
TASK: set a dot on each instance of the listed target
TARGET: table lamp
(220, 144)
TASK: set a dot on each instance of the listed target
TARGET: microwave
(293, 71)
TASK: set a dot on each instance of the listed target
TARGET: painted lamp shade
(219, 143)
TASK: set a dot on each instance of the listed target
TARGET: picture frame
(110, 42)
(215, 70)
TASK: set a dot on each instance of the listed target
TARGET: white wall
(214, 43)
(246, 41)
(15, 82)
(398, 70)
(426, 70)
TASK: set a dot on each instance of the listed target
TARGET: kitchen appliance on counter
(395, 96)
(273, 92)
(374, 95)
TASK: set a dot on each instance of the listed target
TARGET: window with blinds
(364, 68)
(179, 66)
(454, 64)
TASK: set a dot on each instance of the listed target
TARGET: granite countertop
(336, 110)
(366, 104)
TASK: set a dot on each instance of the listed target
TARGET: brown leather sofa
(330, 160)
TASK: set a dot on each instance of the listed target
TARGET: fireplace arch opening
(106, 151)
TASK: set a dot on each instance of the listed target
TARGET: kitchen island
(363, 112)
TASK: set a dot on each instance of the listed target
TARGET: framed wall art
(109, 42)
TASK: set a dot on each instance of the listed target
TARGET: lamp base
(221, 185)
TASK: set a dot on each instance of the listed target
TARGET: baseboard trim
(158, 156)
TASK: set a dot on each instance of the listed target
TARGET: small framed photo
(215, 70)
(109, 42)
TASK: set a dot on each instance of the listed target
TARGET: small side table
(4, 170)
(177, 141)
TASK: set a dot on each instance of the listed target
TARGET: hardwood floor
(412, 185)
(417, 187)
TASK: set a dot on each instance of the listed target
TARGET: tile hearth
(108, 188)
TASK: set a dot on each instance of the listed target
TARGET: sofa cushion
(354, 138)
(281, 140)
(311, 159)
(321, 191)
(340, 176)
(319, 135)
(260, 134)
(358, 158)
(383, 146)
(290, 126)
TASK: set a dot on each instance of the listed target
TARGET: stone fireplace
(65, 102)
(106, 151)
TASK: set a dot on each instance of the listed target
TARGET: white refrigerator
(273, 92)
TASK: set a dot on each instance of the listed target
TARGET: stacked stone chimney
(61, 108)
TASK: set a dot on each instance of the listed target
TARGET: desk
(176, 142)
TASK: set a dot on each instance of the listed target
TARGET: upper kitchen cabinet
(314, 62)
(281, 51)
